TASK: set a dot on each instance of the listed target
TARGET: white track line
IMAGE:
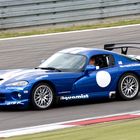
(32, 130)
(54, 126)
(70, 32)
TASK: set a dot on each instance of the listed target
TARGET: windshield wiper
(49, 68)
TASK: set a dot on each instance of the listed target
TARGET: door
(101, 80)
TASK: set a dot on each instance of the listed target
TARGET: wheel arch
(52, 86)
(119, 91)
(44, 81)
(133, 72)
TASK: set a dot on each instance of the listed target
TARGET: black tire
(42, 96)
(128, 86)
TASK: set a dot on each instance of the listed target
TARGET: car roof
(86, 51)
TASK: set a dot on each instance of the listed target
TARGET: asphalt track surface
(28, 52)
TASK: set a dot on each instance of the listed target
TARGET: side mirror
(90, 68)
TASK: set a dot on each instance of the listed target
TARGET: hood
(20, 74)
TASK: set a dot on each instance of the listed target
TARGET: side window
(104, 60)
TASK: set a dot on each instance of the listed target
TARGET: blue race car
(73, 74)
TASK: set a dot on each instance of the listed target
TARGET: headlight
(18, 84)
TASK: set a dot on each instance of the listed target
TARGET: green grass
(120, 130)
(15, 33)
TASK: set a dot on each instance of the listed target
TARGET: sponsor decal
(14, 103)
(81, 96)
(129, 65)
(120, 62)
(103, 78)
(65, 92)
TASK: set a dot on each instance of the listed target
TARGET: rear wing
(123, 46)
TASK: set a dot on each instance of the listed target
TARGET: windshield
(65, 61)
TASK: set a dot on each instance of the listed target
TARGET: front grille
(2, 98)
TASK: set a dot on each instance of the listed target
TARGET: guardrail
(23, 13)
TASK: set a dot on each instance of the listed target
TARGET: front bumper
(10, 96)
(20, 102)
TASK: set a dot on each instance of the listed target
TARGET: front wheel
(42, 96)
(128, 86)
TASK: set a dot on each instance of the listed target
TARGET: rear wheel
(42, 96)
(128, 86)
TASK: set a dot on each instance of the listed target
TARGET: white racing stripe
(11, 74)
(54, 126)
(69, 32)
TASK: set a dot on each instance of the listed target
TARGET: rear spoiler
(123, 46)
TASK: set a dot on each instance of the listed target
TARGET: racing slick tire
(42, 96)
(128, 86)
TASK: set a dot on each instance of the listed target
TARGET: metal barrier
(24, 13)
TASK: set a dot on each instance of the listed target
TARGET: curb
(68, 124)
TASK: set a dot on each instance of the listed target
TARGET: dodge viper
(68, 75)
